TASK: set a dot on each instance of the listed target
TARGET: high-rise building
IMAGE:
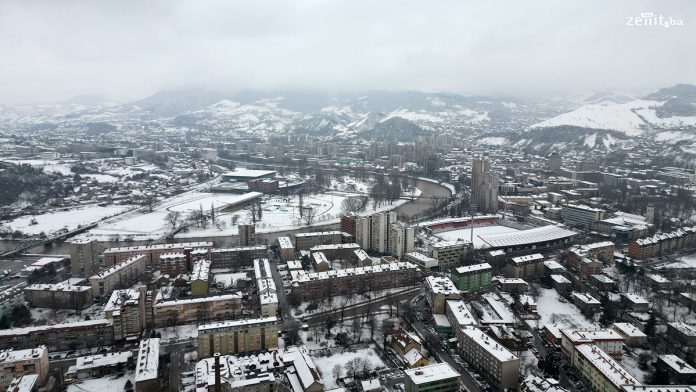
(484, 186)
(401, 239)
(247, 234)
(382, 233)
(555, 162)
(84, 258)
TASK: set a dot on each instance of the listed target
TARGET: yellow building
(237, 337)
(200, 278)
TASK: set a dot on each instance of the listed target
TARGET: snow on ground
(630, 363)
(107, 383)
(681, 262)
(553, 311)
(46, 316)
(326, 364)
(465, 234)
(493, 141)
(70, 219)
(590, 140)
(228, 279)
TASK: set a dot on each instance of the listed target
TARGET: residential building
(353, 280)
(147, 366)
(401, 239)
(238, 337)
(237, 257)
(168, 313)
(267, 292)
(634, 302)
(18, 363)
(484, 186)
(84, 257)
(60, 337)
(682, 333)
(578, 215)
(337, 251)
(319, 262)
(69, 294)
(200, 278)
(586, 303)
(606, 339)
(449, 254)
(459, 314)
(126, 310)
(152, 253)
(490, 358)
(679, 371)
(561, 284)
(118, 276)
(525, 267)
(308, 240)
(599, 370)
(473, 277)
(290, 369)
(99, 365)
(402, 341)
(439, 289)
(439, 377)
(246, 234)
(25, 383)
(661, 243)
(11, 298)
(286, 250)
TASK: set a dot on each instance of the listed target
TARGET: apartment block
(200, 277)
(525, 267)
(439, 289)
(238, 337)
(152, 253)
(600, 370)
(427, 263)
(450, 253)
(237, 257)
(84, 257)
(308, 240)
(606, 339)
(60, 337)
(118, 276)
(18, 363)
(126, 310)
(579, 215)
(69, 294)
(268, 295)
(472, 277)
(147, 366)
(493, 360)
(285, 249)
(174, 312)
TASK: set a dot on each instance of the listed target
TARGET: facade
(147, 366)
(238, 337)
(600, 370)
(319, 262)
(121, 275)
(60, 337)
(200, 278)
(84, 258)
(633, 337)
(662, 243)
(18, 363)
(634, 302)
(152, 253)
(173, 312)
(99, 365)
(11, 298)
(439, 377)
(678, 370)
(246, 234)
(236, 257)
(126, 310)
(581, 216)
(525, 267)
(682, 333)
(308, 240)
(285, 249)
(401, 239)
(64, 295)
(459, 314)
(438, 290)
(555, 162)
(473, 277)
(587, 303)
(484, 186)
(450, 253)
(314, 285)
(495, 362)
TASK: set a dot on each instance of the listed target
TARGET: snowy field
(326, 364)
(562, 314)
(53, 221)
(681, 263)
(112, 169)
(465, 234)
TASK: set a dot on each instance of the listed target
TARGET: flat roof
(497, 350)
(431, 373)
(237, 323)
(148, 360)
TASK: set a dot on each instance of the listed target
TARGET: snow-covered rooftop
(524, 237)
(431, 373)
(603, 362)
(497, 350)
(238, 323)
(148, 360)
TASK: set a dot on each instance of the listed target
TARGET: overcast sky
(52, 50)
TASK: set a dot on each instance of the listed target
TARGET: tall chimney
(187, 253)
(218, 386)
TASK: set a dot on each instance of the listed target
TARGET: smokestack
(187, 252)
(218, 386)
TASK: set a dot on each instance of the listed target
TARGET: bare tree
(173, 219)
(309, 215)
(337, 371)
